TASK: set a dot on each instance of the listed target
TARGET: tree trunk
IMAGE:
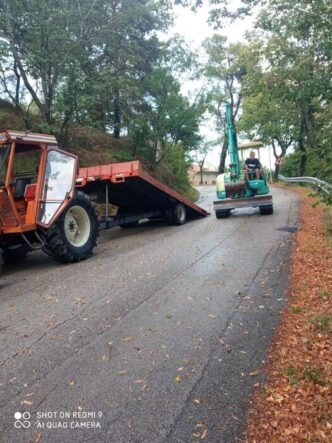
(276, 172)
(117, 115)
(223, 155)
(201, 174)
(302, 149)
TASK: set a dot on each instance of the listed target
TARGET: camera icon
(22, 420)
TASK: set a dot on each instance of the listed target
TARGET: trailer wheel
(73, 235)
(12, 254)
(224, 213)
(180, 215)
(176, 215)
(266, 210)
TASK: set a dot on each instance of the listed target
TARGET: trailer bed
(133, 190)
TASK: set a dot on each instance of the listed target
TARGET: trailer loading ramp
(132, 189)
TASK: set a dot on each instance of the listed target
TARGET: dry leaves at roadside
(295, 404)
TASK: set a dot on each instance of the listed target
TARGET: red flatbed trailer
(136, 193)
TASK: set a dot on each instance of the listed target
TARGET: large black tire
(266, 210)
(223, 213)
(73, 235)
(13, 254)
(176, 215)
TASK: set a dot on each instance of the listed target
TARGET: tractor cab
(36, 181)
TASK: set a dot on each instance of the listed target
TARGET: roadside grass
(321, 322)
(296, 309)
(324, 293)
(295, 403)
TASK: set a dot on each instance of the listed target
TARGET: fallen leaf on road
(205, 433)
(128, 338)
(177, 379)
(26, 402)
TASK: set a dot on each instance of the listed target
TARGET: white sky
(193, 27)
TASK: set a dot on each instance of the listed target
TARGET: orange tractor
(47, 203)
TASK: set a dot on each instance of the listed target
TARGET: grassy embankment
(95, 147)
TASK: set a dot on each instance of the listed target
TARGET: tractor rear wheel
(73, 235)
(12, 254)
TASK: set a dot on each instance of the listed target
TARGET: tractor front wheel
(73, 235)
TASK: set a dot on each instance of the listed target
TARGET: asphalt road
(159, 337)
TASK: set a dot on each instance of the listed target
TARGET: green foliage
(324, 293)
(101, 65)
(287, 88)
(123, 156)
(314, 375)
(296, 309)
(168, 119)
(292, 374)
(315, 167)
(321, 322)
(174, 171)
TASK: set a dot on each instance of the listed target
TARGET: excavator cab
(37, 181)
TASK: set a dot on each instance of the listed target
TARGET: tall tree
(42, 37)
(225, 72)
(169, 118)
(126, 50)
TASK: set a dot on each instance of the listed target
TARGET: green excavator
(236, 189)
